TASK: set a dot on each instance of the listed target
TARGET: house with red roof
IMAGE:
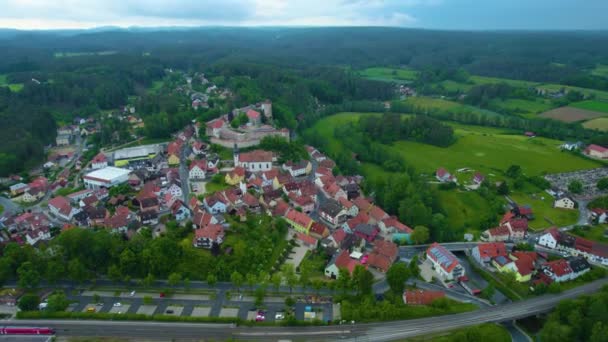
(421, 297)
(550, 238)
(199, 169)
(198, 147)
(376, 214)
(202, 218)
(391, 225)
(254, 161)
(307, 240)
(251, 202)
(483, 253)
(299, 221)
(444, 176)
(383, 256)
(478, 178)
(235, 176)
(206, 236)
(350, 207)
(596, 151)
(340, 260)
(349, 225)
(513, 230)
(214, 127)
(445, 264)
(254, 117)
(521, 264)
(99, 161)
(216, 203)
(362, 204)
(180, 211)
(319, 231)
(60, 207)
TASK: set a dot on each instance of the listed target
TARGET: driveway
(297, 255)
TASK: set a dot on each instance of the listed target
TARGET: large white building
(254, 161)
(446, 265)
(106, 177)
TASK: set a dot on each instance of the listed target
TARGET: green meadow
(400, 75)
(594, 105)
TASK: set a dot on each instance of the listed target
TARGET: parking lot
(190, 305)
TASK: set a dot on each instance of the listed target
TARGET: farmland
(489, 150)
(12, 86)
(523, 106)
(571, 114)
(389, 74)
(598, 123)
(596, 106)
(600, 70)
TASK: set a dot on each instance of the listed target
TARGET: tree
(114, 273)
(413, 266)
(55, 270)
(187, 283)
(276, 280)
(420, 234)
(57, 302)
(148, 280)
(554, 331)
(488, 292)
(599, 332)
(251, 279)
(514, 171)
(260, 293)
(575, 187)
(363, 280)
(503, 188)
(77, 271)
(289, 274)
(211, 280)
(174, 279)
(28, 302)
(344, 280)
(28, 276)
(396, 276)
(237, 280)
(602, 184)
(317, 284)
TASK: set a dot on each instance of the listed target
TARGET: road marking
(291, 333)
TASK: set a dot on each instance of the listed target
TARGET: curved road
(386, 331)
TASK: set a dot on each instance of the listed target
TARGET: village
(213, 173)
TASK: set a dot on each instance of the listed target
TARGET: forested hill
(56, 75)
(537, 56)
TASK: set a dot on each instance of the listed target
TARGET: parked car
(132, 293)
(169, 312)
(91, 309)
(260, 316)
(117, 304)
(279, 316)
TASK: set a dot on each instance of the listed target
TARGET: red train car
(26, 331)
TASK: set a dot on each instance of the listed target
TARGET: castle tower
(235, 153)
(267, 109)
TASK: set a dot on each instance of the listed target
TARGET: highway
(386, 331)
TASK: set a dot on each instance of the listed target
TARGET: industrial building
(106, 177)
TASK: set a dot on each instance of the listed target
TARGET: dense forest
(307, 72)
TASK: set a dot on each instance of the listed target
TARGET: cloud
(74, 14)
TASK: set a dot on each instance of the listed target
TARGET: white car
(132, 293)
(117, 305)
(279, 316)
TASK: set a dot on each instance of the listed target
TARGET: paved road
(183, 173)
(386, 331)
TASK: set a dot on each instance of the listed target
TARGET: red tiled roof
(202, 164)
(99, 158)
(524, 266)
(318, 228)
(421, 297)
(492, 250)
(339, 235)
(306, 238)
(597, 148)
(174, 147)
(362, 203)
(59, 202)
(393, 222)
(250, 200)
(559, 267)
(359, 219)
(299, 218)
(499, 231)
(201, 218)
(281, 208)
(252, 114)
(377, 213)
(519, 224)
(256, 156)
(237, 171)
(217, 123)
(445, 258)
(345, 203)
(386, 248)
(507, 217)
(345, 261)
(212, 232)
(328, 163)
(441, 172)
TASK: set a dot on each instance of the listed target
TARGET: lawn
(597, 123)
(399, 75)
(487, 149)
(432, 103)
(594, 105)
(542, 206)
(595, 233)
(453, 86)
(464, 209)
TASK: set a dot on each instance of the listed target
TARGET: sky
(431, 14)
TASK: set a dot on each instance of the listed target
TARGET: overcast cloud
(442, 14)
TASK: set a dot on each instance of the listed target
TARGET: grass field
(595, 233)
(432, 103)
(14, 87)
(571, 114)
(593, 105)
(524, 106)
(464, 209)
(600, 70)
(598, 123)
(481, 148)
(493, 80)
(399, 75)
(545, 215)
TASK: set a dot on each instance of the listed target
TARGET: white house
(445, 264)
(175, 191)
(99, 161)
(198, 169)
(215, 204)
(564, 203)
(549, 239)
(254, 161)
(33, 236)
